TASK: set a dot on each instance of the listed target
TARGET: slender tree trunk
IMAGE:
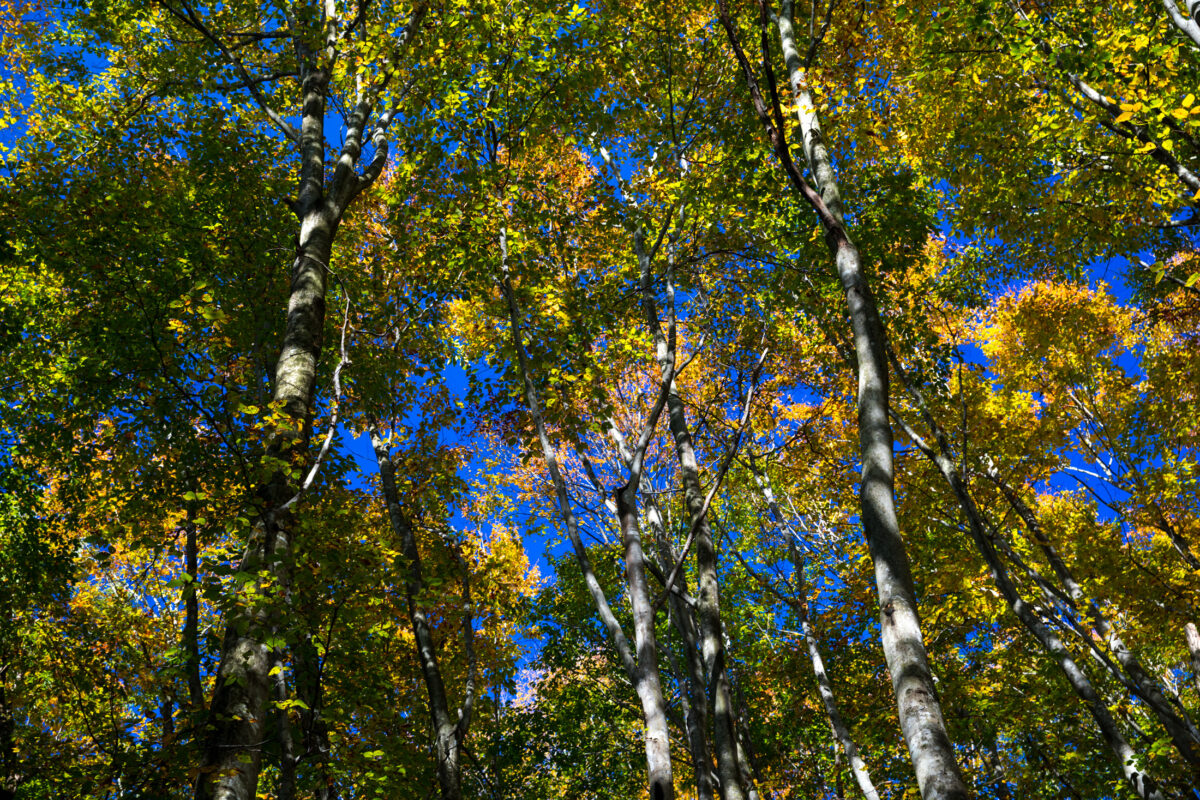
(745, 754)
(288, 760)
(708, 606)
(639, 671)
(712, 646)
(562, 496)
(10, 780)
(1065, 789)
(445, 728)
(694, 696)
(1193, 645)
(315, 731)
(1143, 785)
(649, 686)
(191, 620)
(858, 767)
(799, 604)
(996, 769)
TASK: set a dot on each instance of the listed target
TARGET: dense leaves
(401, 399)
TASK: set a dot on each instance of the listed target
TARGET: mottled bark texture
(232, 756)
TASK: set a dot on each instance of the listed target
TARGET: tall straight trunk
(649, 685)
(288, 758)
(684, 621)
(314, 729)
(642, 672)
(920, 712)
(191, 620)
(232, 756)
(447, 733)
(239, 706)
(712, 645)
(708, 606)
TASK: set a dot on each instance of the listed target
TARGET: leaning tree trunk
(1179, 726)
(799, 604)
(446, 728)
(1143, 785)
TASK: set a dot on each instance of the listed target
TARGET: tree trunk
(858, 767)
(920, 711)
(648, 686)
(239, 706)
(191, 621)
(445, 728)
(799, 604)
(684, 621)
(712, 646)
(1193, 645)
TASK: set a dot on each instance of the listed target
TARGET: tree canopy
(729, 400)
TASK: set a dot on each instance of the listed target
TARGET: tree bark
(649, 686)
(642, 673)
(694, 697)
(191, 620)
(239, 706)
(1193, 645)
(858, 767)
(231, 760)
(712, 645)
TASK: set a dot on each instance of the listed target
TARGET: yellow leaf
(1187, 101)
(1124, 117)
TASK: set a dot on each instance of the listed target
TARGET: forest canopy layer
(725, 400)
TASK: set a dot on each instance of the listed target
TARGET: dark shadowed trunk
(448, 733)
